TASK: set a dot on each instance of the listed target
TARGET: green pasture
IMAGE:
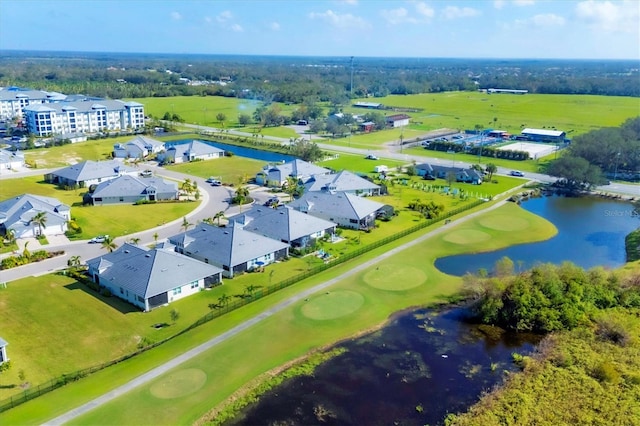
(361, 301)
(114, 220)
(575, 114)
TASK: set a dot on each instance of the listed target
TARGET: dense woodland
(294, 79)
(586, 370)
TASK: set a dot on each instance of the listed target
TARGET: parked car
(371, 157)
(146, 173)
(516, 173)
(272, 201)
(99, 239)
(216, 183)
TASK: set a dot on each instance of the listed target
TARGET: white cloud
(224, 16)
(548, 20)
(499, 4)
(208, 19)
(176, 16)
(425, 10)
(454, 12)
(610, 16)
(237, 28)
(402, 16)
(274, 26)
(349, 2)
(337, 20)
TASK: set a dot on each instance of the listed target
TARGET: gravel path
(158, 371)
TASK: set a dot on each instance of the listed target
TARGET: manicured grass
(114, 220)
(358, 164)
(229, 169)
(233, 363)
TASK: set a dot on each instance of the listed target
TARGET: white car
(98, 239)
(371, 157)
(516, 173)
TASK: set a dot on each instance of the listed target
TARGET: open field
(365, 303)
(62, 156)
(115, 220)
(229, 169)
(357, 163)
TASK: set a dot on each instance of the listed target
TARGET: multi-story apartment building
(12, 102)
(83, 117)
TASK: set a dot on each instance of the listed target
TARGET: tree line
(292, 79)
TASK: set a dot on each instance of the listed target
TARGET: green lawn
(114, 220)
(61, 156)
(357, 163)
(364, 303)
(229, 169)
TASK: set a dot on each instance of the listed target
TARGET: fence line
(62, 380)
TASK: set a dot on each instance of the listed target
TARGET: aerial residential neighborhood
(309, 214)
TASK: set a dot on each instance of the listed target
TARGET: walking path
(158, 371)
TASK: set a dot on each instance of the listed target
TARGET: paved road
(164, 368)
(214, 199)
(394, 152)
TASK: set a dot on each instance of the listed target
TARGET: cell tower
(351, 89)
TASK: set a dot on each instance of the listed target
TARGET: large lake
(256, 154)
(591, 232)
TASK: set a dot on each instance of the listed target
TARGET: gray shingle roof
(129, 186)
(338, 182)
(17, 212)
(282, 224)
(229, 246)
(196, 147)
(297, 168)
(88, 170)
(340, 204)
(148, 273)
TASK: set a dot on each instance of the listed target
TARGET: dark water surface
(414, 371)
(256, 154)
(591, 232)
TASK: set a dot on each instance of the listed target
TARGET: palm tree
(109, 244)
(187, 187)
(218, 216)
(40, 219)
(74, 262)
(10, 236)
(185, 224)
(155, 238)
(291, 187)
(241, 195)
(223, 300)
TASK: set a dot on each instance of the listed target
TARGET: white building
(83, 117)
(12, 102)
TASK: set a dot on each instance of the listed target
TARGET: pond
(414, 371)
(591, 232)
(241, 151)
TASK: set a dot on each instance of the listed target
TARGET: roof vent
(226, 232)
(147, 255)
(126, 251)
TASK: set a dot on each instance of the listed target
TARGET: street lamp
(615, 172)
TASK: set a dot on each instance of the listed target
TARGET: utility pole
(351, 88)
(615, 172)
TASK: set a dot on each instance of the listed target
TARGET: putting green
(395, 277)
(503, 222)
(466, 236)
(332, 305)
(179, 383)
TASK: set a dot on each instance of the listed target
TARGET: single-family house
(11, 160)
(151, 278)
(290, 226)
(17, 214)
(346, 210)
(138, 147)
(344, 181)
(275, 175)
(429, 171)
(231, 248)
(367, 126)
(3, 351)
(130, 189)
(88, 173)
(397, 120)
(185, 152)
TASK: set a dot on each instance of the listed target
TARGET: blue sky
(490, 29)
